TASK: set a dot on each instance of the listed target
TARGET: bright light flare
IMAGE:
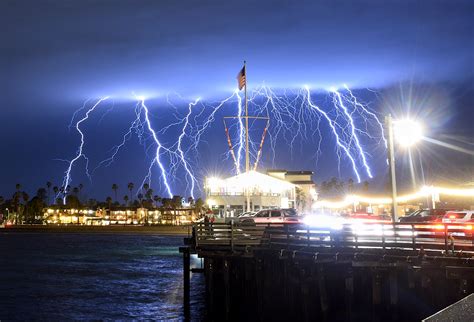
(425, 191)
(407, 132)
(324, 221)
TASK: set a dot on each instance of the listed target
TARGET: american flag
(241, 78)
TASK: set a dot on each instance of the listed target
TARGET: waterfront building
(276, 189)
(305, 188)
(179, 216)
(66, 215)
(118, 215)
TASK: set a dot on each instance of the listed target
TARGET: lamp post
(391, 164)
(407, 132)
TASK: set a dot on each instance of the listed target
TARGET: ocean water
(68, 276)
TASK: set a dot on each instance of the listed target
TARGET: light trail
(422, 193)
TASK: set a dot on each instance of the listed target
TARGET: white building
(305, 186)
(273, 190)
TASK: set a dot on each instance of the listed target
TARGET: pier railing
(432, 237)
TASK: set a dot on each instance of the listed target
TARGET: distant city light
(423, 192)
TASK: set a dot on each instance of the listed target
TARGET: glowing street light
(407, 132)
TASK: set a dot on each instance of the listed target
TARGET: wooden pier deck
(370, 271)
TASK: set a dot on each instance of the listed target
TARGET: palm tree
(199, 205)
(176, 204)
(75, 191)
(157, 199)
(108, 200)
(125, 198)
(55, 190)
(48, 185)
(149, 195)
(115, 188)
(140, 197)
(130, 188)
(25, 197)
(145, 187)
(366, 186)
(350, 185)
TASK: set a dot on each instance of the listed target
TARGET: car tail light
(452, 216)
(468, 227)
(439, 227)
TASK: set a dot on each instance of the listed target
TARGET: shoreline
(166, 230)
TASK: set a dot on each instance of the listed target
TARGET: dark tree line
(335, 188)
(30, 210)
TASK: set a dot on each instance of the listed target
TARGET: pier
(355, 272)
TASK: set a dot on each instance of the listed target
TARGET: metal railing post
(232, 235)
(308, 238)
(446, 238)
(195, 234)
(413, 238)
(383, 236)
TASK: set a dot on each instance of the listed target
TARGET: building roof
(290, 172)
(299, 172)
(251, 180)
(302, 182)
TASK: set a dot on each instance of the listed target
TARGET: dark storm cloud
(55, 54)
(98, 47)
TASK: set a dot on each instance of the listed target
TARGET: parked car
(459, 217)
(366, 217)
(273, 216)
(247, 214)
(424, 215)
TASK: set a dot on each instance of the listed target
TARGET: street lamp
(407, 133)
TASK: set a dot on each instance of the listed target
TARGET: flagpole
(247, 157)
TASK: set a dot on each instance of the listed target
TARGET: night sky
(403, 57)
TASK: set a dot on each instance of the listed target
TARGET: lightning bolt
(336, 135)
(136, 126)
(295, 118)
(366, 110)
(180, 149)
(67, 177)
(158, 149)
(353, 133)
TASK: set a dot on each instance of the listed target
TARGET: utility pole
(391, 163)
